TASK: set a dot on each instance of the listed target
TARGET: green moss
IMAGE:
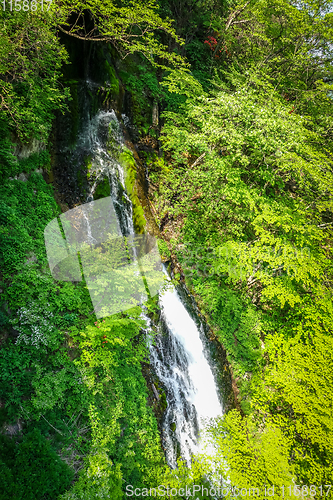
(127, 161)
(138, 217)
(88, 163)
(173, 426)
(163, 402)
(138, 110)
(112, 78)
(153, 308)
(144, 88)
(102, 190)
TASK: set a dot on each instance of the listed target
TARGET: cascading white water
(103, 141)
(177, 354)
(180, 362)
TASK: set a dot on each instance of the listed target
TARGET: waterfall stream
(180, 361)
(178, 356)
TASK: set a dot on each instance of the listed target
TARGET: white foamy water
(205, 397)
(180, 362)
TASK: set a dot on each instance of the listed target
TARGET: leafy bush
(31, 470)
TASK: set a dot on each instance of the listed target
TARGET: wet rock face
(22, 177)
(70, 176)
(93, 85)
(12, 429)
(69, 169)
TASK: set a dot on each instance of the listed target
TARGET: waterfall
(103, 138)
(180, 361)
(178, 356)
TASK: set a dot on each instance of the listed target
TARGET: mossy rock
(88, 164)
(173, 426)
(112, 79)
(102, 190)
(163, 402)
(127, 161)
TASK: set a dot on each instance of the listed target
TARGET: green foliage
(16, 378)
(11, 166)
(251, 181)
(65, 386)
(249, 458)
(287, 43)
(33, 202)
(37, 376)
(29, 86)
(141, 81)
(31, 470)
(163, 249)
(7, 158)
(192, 21)
(247, 186)
(125, 441)
(35, 161)
(129, 28)
(296, 393)
(252, 152)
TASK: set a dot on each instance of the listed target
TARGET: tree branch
(235, 14)
(80, 37)
(52, 425)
